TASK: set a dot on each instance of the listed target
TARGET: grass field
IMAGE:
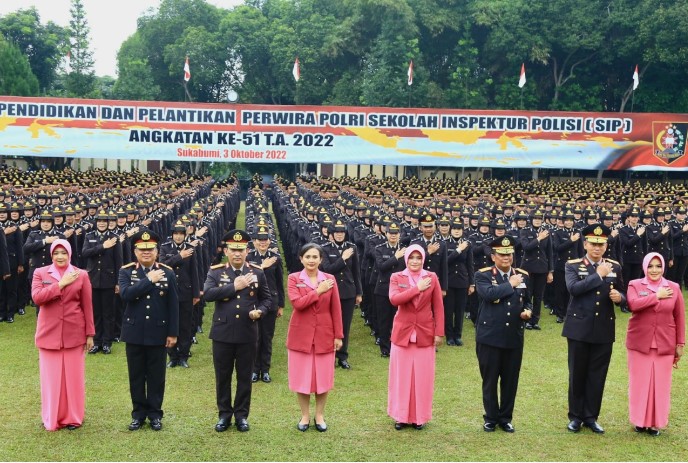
(359, 429)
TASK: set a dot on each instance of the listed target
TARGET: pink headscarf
(414, 276)
(653, 285)
(67, 247)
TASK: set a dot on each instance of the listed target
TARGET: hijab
(653, 285)
(67, 247)
(422, 273)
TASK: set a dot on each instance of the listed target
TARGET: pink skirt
(411, 383)
(310, 373)
(63, 394)
(649, 388)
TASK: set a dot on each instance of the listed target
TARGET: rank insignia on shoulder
(484, 269)
(129, 265)
(216, 266)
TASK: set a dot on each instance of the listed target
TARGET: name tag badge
(225, 280)
(643, 293)
(300, 285)
(47, 282)
(611, 275)
(521, 286)
(583, 274)
(403, 286)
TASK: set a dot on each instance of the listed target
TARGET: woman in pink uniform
(315, 333)
(418, 328)
(655, 340)
(64, 333)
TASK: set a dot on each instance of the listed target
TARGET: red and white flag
(522, 79)
(410, 73)
(636, 78)
(187, 70)
(296, 71)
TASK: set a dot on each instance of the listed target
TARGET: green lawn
(359, 429)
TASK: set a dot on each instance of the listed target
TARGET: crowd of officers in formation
(99, 212)
(365, 224)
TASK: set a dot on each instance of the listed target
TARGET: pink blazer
(665, 319)
(420, 311)
(66, 316)
(316, 320)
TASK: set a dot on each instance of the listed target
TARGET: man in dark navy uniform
(271, 264)
(596, 285)
(505, 305)
(180, 256)
(241, 295)
(150, 326)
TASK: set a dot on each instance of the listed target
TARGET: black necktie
(237, 272)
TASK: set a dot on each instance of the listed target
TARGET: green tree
(16, 78)
(41, 44)
(81, 81)
(135, 81)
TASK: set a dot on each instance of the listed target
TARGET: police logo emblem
(237, 237)
(506, 242)
(145, 236)
(669, 140)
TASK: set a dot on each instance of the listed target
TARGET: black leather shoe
(22, 311)
(399, 426)
(222, 425)
(107, 350)
(489, 427)
(303, 427)
(458, 342)
(242, 425)
(198, 330)
(266, 377)
(344, 364)
(254, 377)
(320, 427)
(625, 309)
(594, 427)
(560, 320)
(451, 342)
(94, 350)
(156, 424)
(116, 339)
(10, 320)
(384, 354)
(653, 432)
(135, 424)
(183, 364)
(535, 327)
(574, 426)
(507, 427)
(529, 326)
(194, 340)
(172, 364)
(639, 429)
(72, 427)
(377, 341)
(418, 426)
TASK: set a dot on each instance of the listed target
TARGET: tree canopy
(578, 56)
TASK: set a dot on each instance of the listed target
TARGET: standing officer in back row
(242, 296)
(595, 285)
(505, 304)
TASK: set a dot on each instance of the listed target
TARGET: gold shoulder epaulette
(253, 264)
(484, 269)
(574, 261)
(520, 270)
(129, 265)
(217, 266)
(612, 261)
(166, 266)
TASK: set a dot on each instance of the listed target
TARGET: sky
(111, 22)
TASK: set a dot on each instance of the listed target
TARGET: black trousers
(371, 310)
(454, 309)
(538, 282)
(561, 294)
(632, 272)
(119, 313)
(186, 332)
(588, 366)
(104, 315)
(501, 367)
(473, 306)
(8, 295)
(226, 357)
(146, 365)
(266, 331)
(347, 316)
(678, 271)
(386, 312)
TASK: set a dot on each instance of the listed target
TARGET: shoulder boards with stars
(129, 265)
(485, 269)
(251, 264)
(520, 270)
(612, 261)
(574, 261)
(216, 266)
(165, 265)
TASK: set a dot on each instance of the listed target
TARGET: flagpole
(521, 98)
(632, 99)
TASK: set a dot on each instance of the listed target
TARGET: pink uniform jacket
(316, 320)
(66, 316)
(420, 311)
(664, 319)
